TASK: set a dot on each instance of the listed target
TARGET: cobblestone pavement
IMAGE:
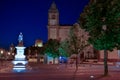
(63, 72)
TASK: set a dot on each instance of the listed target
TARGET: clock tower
(53, 22)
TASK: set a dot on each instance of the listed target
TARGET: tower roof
(53, 7)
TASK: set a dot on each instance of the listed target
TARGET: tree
(101, 19)
(51, 48)
(77, 41)
(64, 48)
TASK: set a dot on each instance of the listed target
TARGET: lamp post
(9, 55)
(1, 56)
(1, 53)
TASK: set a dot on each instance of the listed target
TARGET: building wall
(112, 56)
(53, 33)
(63, 32)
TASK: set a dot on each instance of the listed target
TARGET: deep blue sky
(31, 16)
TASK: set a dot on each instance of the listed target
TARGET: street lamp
(1, 56)
(8, 53)
(1, 53)
(8, 56)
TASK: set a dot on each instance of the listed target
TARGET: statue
(19, 63)
(20, 39)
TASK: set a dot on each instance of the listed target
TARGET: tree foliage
(51, 48)
(77, 39)
(101, 13)
(64, 48)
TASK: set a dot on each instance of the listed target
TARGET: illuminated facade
(38, 43)
(55, 30)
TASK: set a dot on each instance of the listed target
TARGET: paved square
(63, 72)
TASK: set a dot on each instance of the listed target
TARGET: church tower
(53, 22)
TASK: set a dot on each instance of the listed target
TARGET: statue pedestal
(19, 61)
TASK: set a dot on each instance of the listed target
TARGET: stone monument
(20, 59)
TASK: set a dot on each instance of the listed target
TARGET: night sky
(31, 16)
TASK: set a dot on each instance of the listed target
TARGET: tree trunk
(53, 60)
(76, 63)
(105, 63)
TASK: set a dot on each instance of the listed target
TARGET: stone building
(55, 30)
(61, 32)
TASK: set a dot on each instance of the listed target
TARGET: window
(53, 16)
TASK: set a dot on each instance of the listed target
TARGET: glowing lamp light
(60, 57)
(8, 53)
(12, 53)
(1, 51)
